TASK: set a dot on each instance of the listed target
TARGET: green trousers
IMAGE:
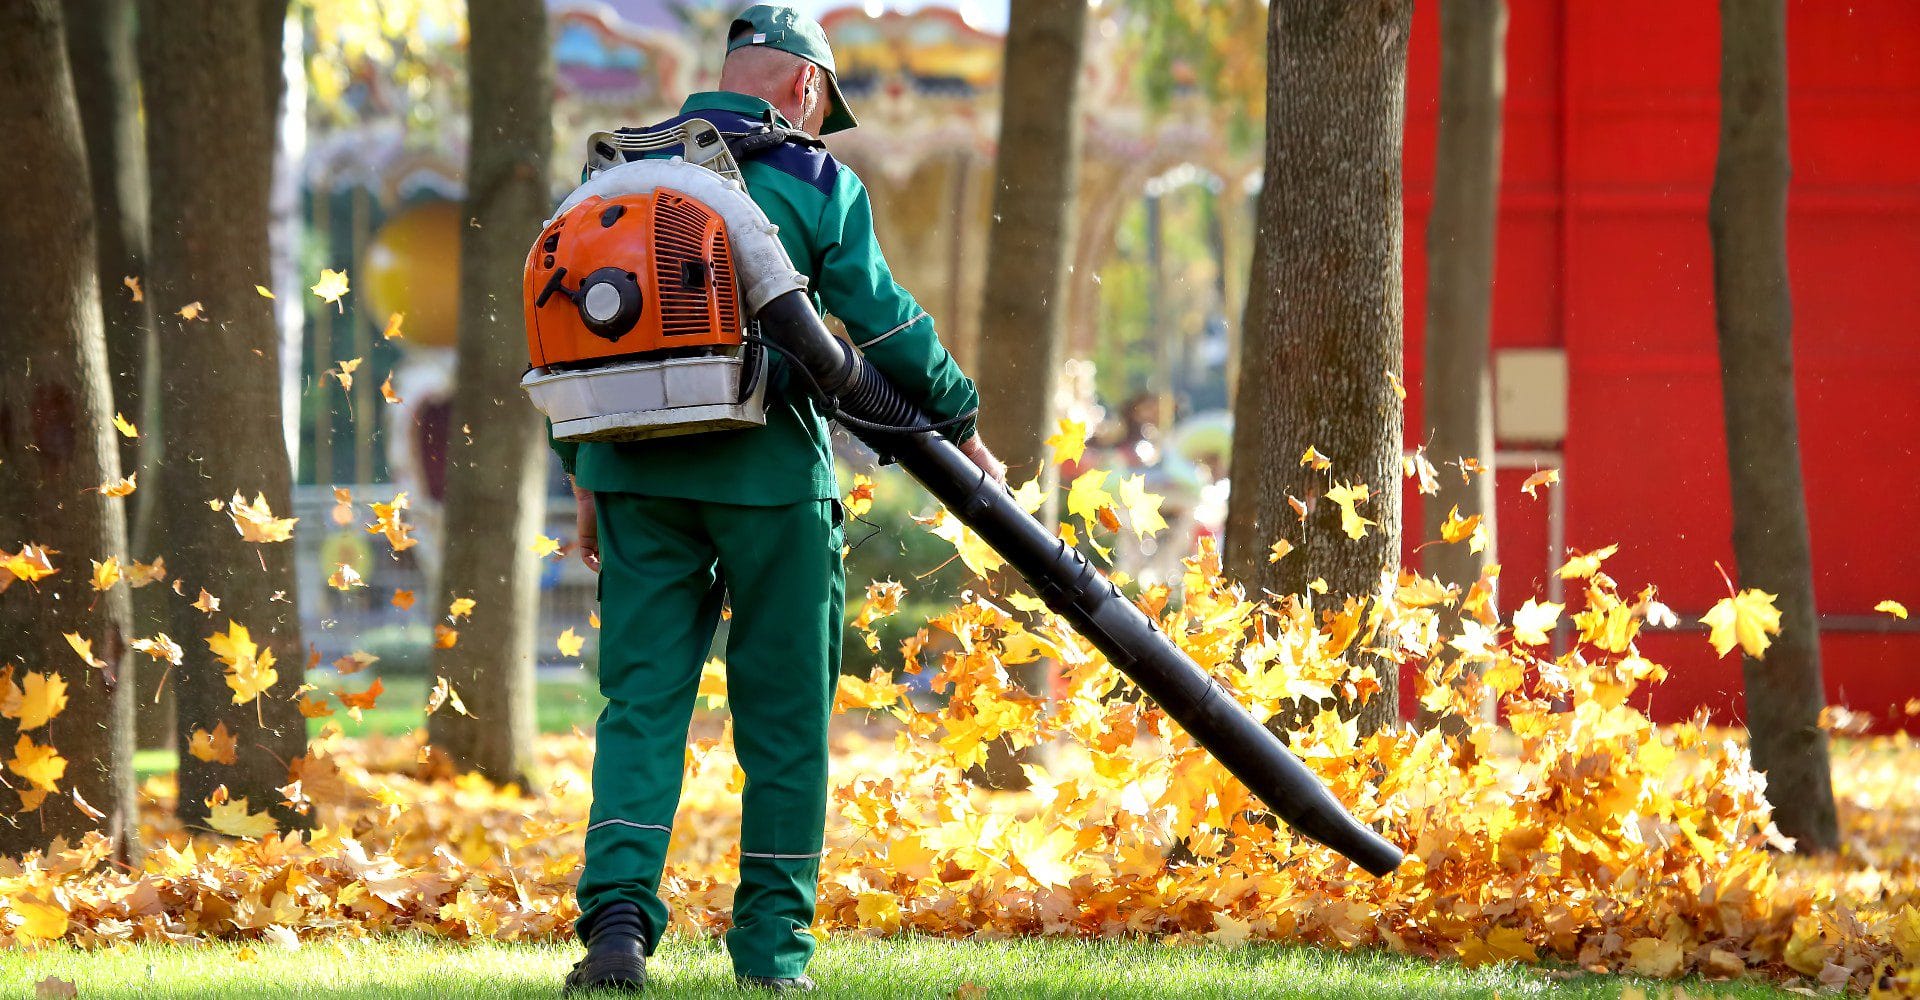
(665, 564)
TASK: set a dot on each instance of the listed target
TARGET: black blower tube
(1072, 587)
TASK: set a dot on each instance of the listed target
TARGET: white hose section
(765, 270)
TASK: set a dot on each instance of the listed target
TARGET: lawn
(847, 966)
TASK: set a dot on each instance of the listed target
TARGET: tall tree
(106, 81)
(1037, 173)
(1753, 314)
(1023, 315)
(209, 143)
(1323, 318)
(496, 490)
(56, 434)
(1458, 388)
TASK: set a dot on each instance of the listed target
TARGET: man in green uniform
(673, 524)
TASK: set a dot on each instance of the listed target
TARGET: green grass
(847, 966)
(559, 706)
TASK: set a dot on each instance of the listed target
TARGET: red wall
(1611, 124)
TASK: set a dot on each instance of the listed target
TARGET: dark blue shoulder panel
(807, 163)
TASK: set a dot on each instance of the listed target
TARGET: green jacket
(826, 224)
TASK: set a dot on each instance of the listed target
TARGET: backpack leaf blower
(638, 294)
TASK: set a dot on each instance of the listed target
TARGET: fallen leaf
(1894, 608)
(133, 285)
(570, 643)
(1069, 444)
(255, 522)
(1313, 459)
(216, 747)
(392, 332)
(1745, 620)
(106, 574)
(232, 818)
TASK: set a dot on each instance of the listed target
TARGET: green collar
(727, 100)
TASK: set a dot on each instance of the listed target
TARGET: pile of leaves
(1575, 831)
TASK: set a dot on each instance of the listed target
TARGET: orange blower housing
(634, 325)
(617, 277)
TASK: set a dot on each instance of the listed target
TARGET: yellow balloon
(413, 267)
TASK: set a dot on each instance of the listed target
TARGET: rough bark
(495, 488)
(1022, 327)
(1030, 245)
(1753, 315)
(1323, 319)
(56, 447)
(106, 81)
(209, 145)
(1458, 387)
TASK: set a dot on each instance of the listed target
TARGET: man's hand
(977, 452)
(586, 527)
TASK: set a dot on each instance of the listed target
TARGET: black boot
(776, 984)
(616, 952)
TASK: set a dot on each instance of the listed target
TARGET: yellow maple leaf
(1313, 459)
(214, 747)
(106, 574)
(1069, 444)
(206, 603)
(42, 766)
(393, 331)
(331, 287)
(403, 599)
(1545, 477)
(31, 564)
(388, 521)
(161, 648)
(387, 393)
(1350, 520)
(1894, 608)
(1744, 620)
(263, 292)
(345, 375)
(124, 486)
(1279, 550)
(192, 310)
(249, 668)
(1143, 508)
(1533, 621)
(883, 599)
(1583, 565)
(345, 577)
(1399, 388)
(125, 426)
(1087, 495)
(84, 648)
(975, 553)
(42, 696)
(544, 546)
(1656, 958)
(140, 574)
(230, 816)
(1458, 528)
(133, 285)
(255, 522)
(44, 919)
(444, 694)
(460, 607)
(570, 642)
(444, 637)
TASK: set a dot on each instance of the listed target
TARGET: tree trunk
(1323, 322)
(56, 436)
(1037, 172)
(1754, 318)
(1458, 387)
(106, 81)
(1023, 315)
(209, 145)
(496, 490)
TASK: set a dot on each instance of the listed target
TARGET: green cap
(780, 27)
